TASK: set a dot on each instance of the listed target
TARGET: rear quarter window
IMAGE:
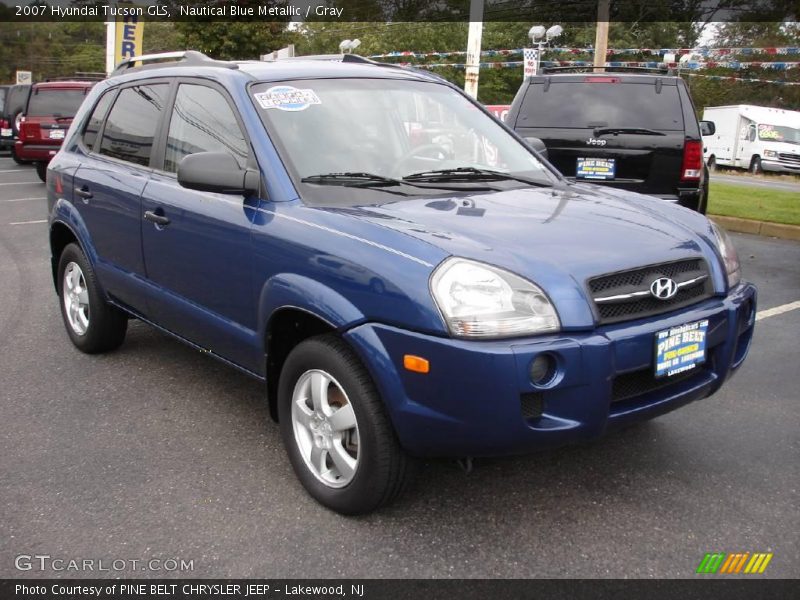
(582, 105)
(96, 119)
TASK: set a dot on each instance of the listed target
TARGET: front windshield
(778, 133)
(387, 128)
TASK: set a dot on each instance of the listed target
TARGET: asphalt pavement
(767, 181)
(158, 452)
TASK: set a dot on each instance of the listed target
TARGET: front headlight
(729, 256)
(770, 154)
(482, 301)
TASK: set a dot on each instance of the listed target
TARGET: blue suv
(404, 273)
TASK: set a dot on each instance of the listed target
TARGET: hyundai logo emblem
(663, 288)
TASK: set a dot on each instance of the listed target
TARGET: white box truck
(753, 137)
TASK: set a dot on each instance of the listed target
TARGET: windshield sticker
(286, 97)
(768, 132)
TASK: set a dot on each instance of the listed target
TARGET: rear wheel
(16, 157)
(92, 324)
(755, 165)
(41, 171)
(335, 429)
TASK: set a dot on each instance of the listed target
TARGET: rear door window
(55, 102)
(581, 104)
(131, 125)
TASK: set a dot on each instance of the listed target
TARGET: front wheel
(335, 429)
(92, 324)
(755, 165)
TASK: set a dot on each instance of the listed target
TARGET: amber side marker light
(416, 364)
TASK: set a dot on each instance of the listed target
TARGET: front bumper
(776, 166)
(478, 400)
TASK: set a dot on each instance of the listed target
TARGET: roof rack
(345, 58)
(185, 58)
(660, 70)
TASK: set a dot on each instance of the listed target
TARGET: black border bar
(702, 587)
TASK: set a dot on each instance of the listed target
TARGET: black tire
(41, 171)
(106, 324)
(755, 165)
(702, 202)
(16, 157)
(712, 164)
(383, 468)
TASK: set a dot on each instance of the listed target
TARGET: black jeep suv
(16, 101)
(633, 130)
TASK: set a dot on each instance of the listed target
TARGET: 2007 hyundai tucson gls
(403, 272)
(633, 130)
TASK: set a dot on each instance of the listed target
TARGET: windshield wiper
(351, 179)
(471, 174)
(369, 180)
(633, 130)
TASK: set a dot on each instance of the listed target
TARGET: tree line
(62, 49)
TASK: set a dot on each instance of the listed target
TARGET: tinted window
(582, 104)
(2, 99)
(96, 120)
(132, 123)
(202, 121)
(55, 102)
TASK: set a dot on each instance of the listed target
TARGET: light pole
(541, 37)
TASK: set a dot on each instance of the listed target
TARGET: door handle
(153, 217)
(83, 192)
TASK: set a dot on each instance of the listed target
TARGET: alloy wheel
(325, 428)
(75, 298)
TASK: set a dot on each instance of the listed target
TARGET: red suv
(51, 108)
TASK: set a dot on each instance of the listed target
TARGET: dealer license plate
(5, 132)
(596, 168)
(56, 134)
(680, 349)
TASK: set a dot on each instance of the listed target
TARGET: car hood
(556, 237)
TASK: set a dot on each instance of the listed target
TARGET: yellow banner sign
(128, 40)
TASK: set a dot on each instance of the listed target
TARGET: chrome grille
(625, 295)
(789, 158)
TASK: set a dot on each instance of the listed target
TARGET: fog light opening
(543, 369)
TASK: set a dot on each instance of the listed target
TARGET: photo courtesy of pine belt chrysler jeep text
(404, 273)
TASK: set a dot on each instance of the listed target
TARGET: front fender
(297, 291)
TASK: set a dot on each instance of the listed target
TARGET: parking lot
(156, 451)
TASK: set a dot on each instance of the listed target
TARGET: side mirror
(217, 172)
(707, 128)
(538, 146)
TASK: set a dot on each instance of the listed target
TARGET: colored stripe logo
(734, 563)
